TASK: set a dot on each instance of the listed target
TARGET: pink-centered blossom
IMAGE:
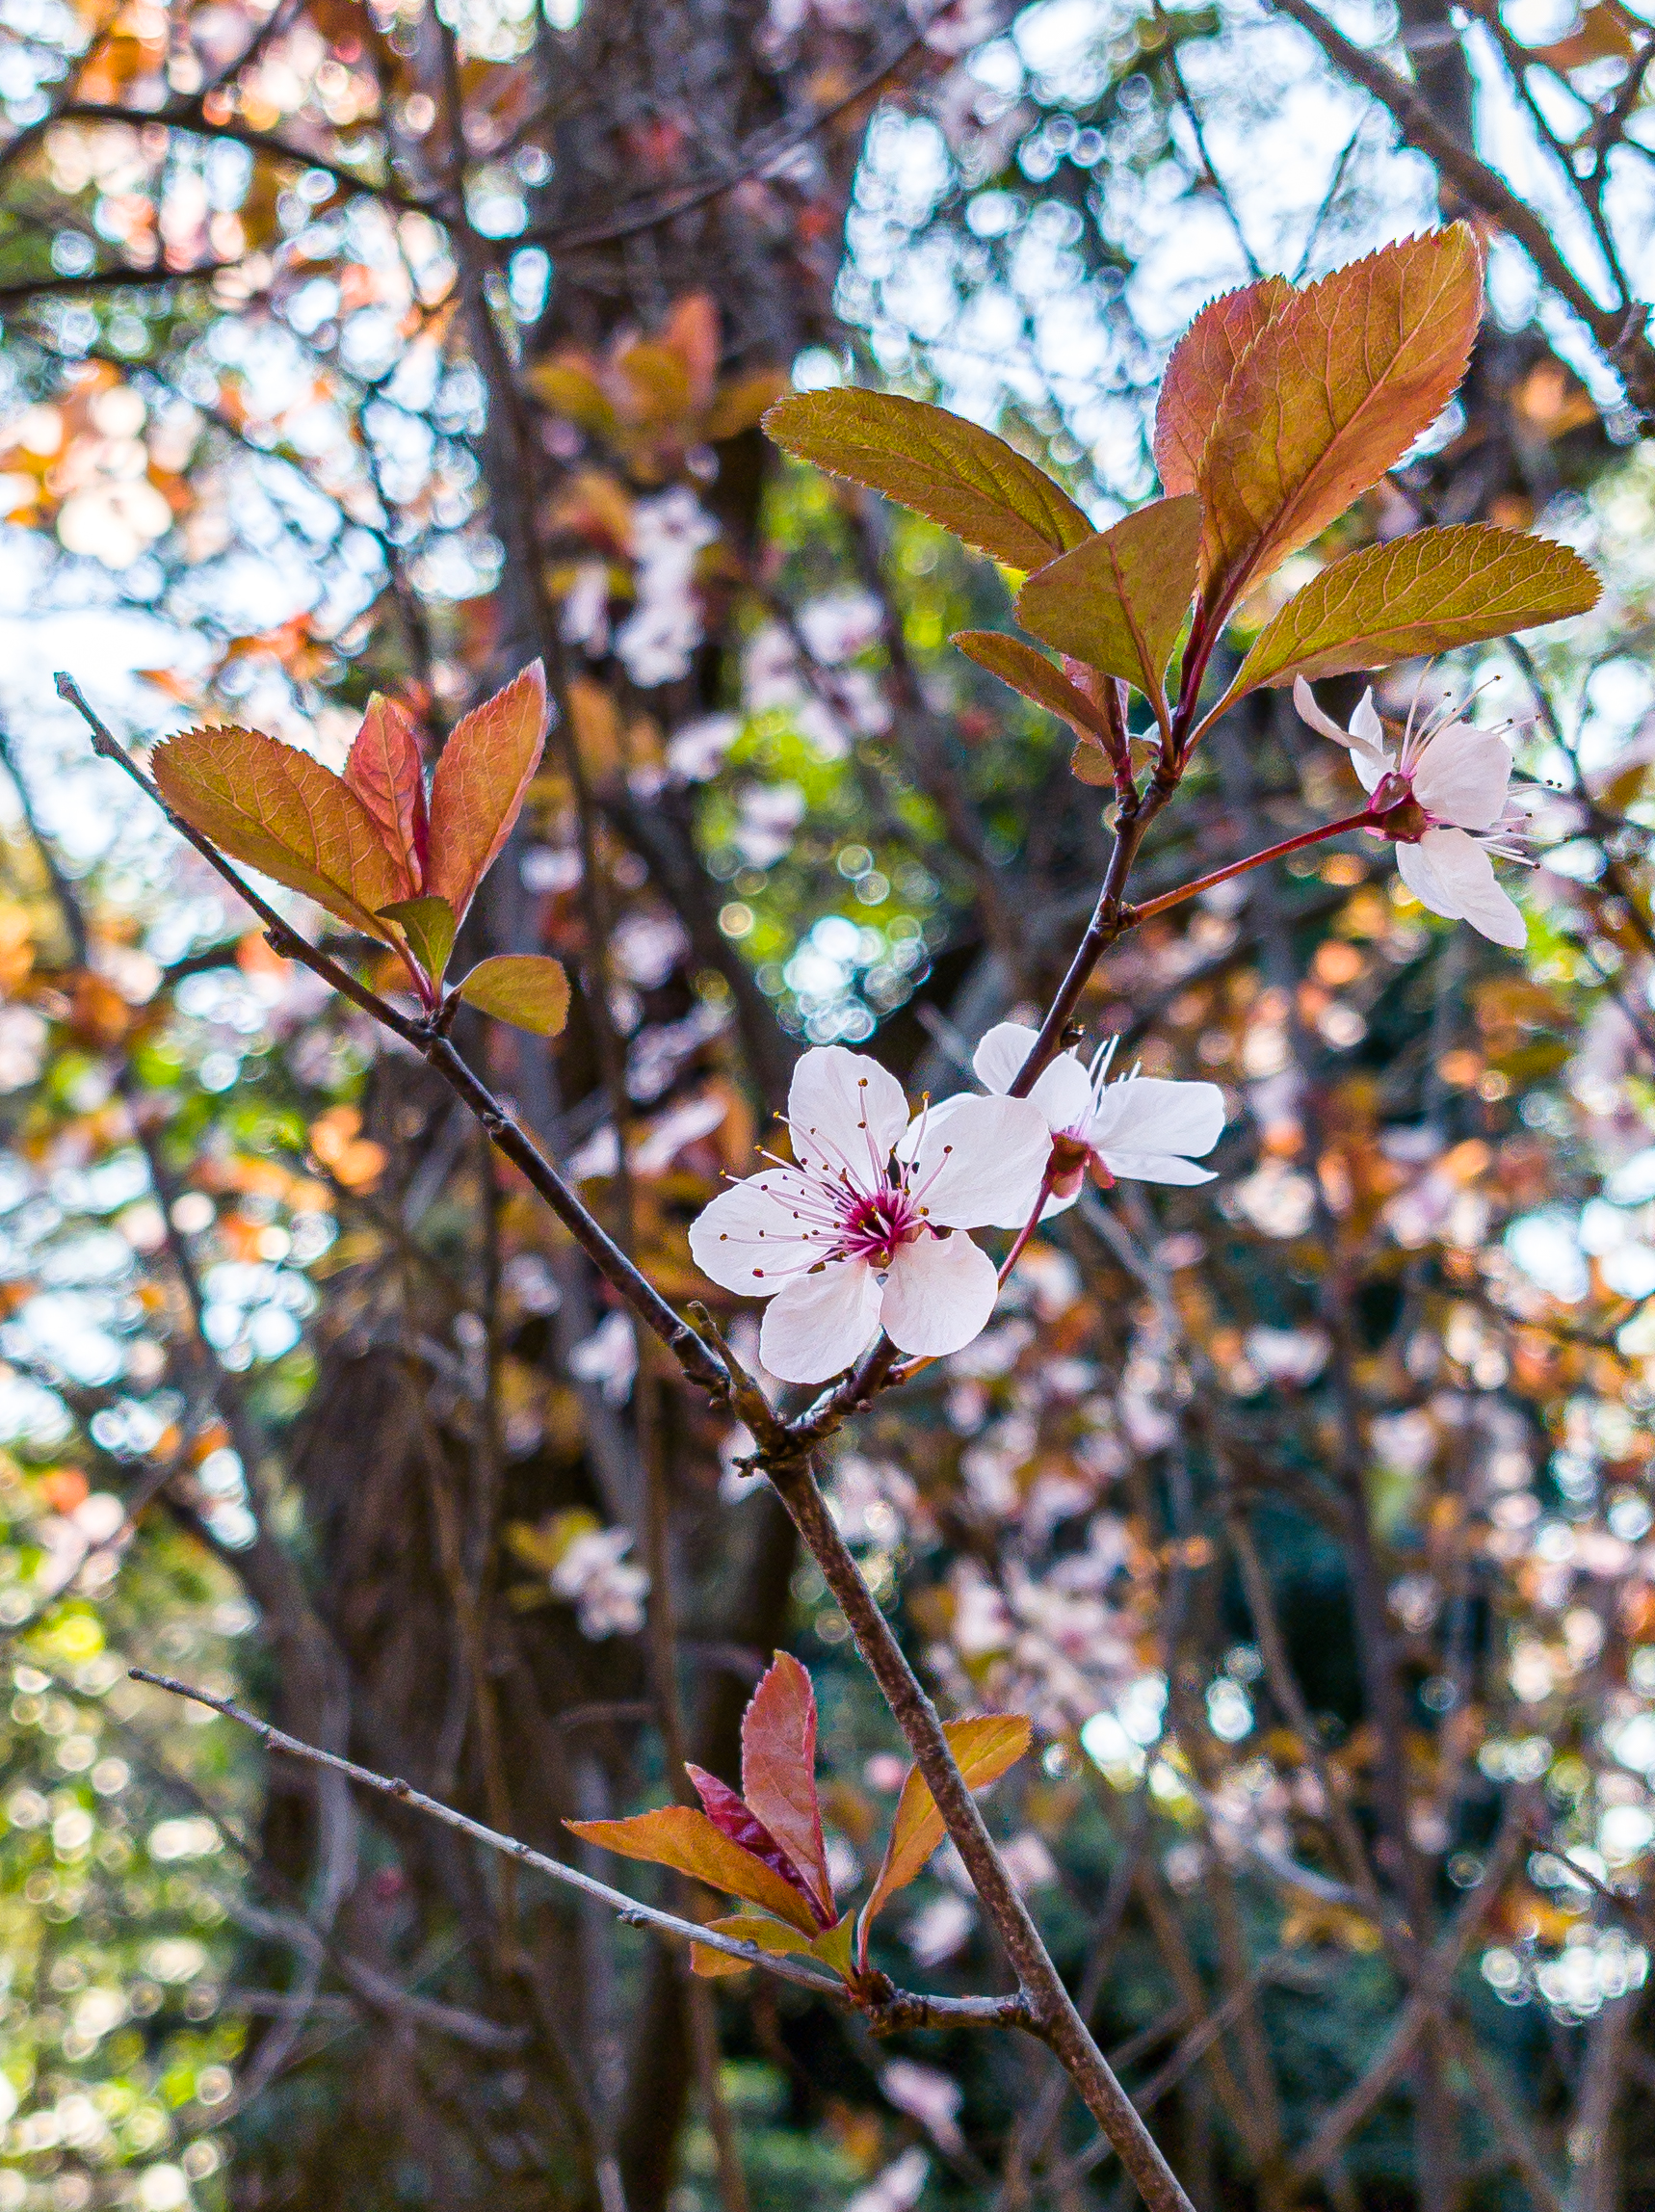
(1444, 799)
(1140, 1128)
(864, 1231)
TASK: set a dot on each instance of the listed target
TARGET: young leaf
(778, 1772)
(736, 1820)
(678, 1837)
(481, 777)
(952, 472)
(386, 772)
(1118, 601)
(833, 1945)
(1424, 594)
(1030, 673)
(1198, 374)
(284, 814)
(983, 1750)
(1090, 765)
(428, 924)
(747, 1927)
(527, 989)
(1331, 393)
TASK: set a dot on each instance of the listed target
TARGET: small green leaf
(527, 989)
(1419, 594)
(1118, 601)
(1090, 764)
(954, 472)
(1030, 673)
(770, 1935)
(833, 1945)
(428, 924)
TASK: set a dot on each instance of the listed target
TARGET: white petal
(1498, 917)
(1153, 1115)
(1000, 1054)
(1462, 775)
(1319, 719)
(846, 1112)
(1153, 1167)
(1420, 870)
(1366, 727)
(1365, 739)
(1464, 865)
(981, 1167)
(938, 1295)
(1063, 1091)
(932, 1116)
(751, 1237)
(819, 1323)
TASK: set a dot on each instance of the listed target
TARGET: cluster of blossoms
(864, 1229)
(1444, 799)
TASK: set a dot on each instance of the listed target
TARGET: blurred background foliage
(356, 348)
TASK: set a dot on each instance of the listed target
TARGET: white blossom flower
(1444, 799)
(606, 1589)
(856, 1236)
(1141, 1129)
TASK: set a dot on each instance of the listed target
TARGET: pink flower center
(875, 1223)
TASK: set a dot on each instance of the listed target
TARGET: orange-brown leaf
(983, 1750)
(384, 770)
(1424, 594)
(952, 472)
(778, 1770)
(747, 1927)
(1198, 375)
(1026, 670)
(479, 785)
(681, 1837)
(1333, 390)
(531, 990)
(1118, 601)
(284, 814)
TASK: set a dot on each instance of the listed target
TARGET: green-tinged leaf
(1090, 765)
(285, 815)
(428, 924)
(527, 989)
(1421, 595)
(684, 1838)
(479, 785)
(1026, 670)
(952, 472)
(386, 772)
(983, 1750)
(1198, 374)
(747, 1927)
(833, 1945)
(1331, 393)
(1118, 601)
(778, 1770)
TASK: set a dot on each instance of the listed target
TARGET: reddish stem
(1028, 1228)
(1365, 820)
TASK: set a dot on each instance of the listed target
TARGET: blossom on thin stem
(1443, 798)
(1140, 1128)
(862, 1231)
